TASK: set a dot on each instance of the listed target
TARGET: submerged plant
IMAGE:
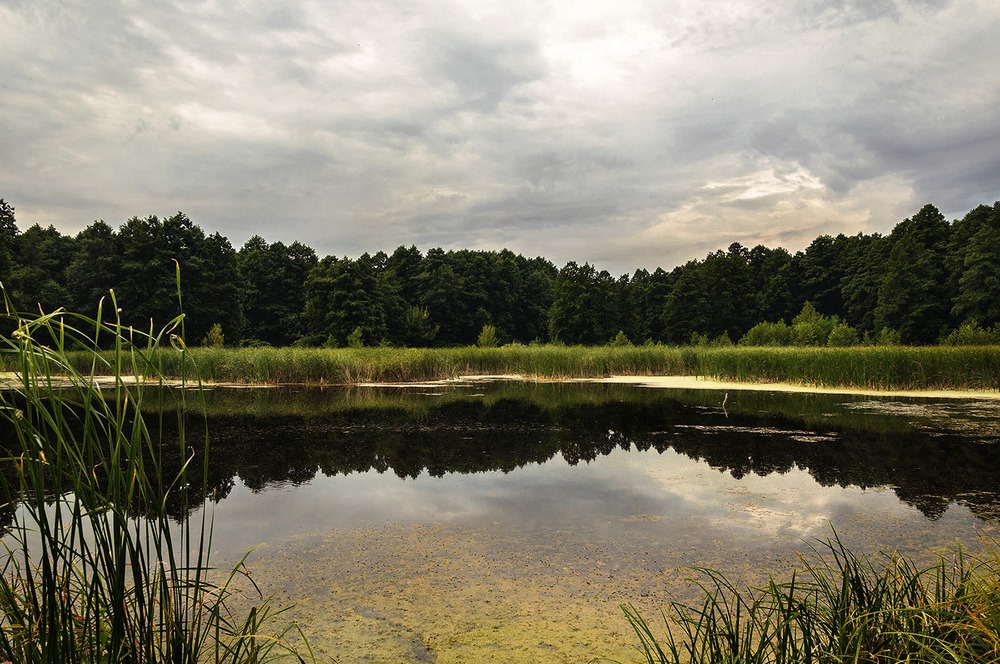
(842, 607)
(94, 567)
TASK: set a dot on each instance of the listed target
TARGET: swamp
(508, 520)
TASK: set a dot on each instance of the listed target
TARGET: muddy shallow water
(499, 522)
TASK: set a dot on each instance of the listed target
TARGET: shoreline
(699, 383)
(704, 383)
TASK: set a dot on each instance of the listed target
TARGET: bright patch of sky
(637, 134)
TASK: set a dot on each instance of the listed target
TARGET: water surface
(506, 521)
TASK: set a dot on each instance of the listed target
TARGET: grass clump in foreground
(94, 568)
(842, 607)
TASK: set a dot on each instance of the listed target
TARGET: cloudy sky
(629, 134)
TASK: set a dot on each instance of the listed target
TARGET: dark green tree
(647, 297)
(821, 269)
(713, 297)
(583, 306)
(913, 296)
(730, 280)
(498, 278)
(534, 300)
(151, 251)
(273, 292)
(8, 239)
(514, 293)
(214, 292)
(416, 330)
(686, 311)
(38, 277)
(147, 293)
(863, 276)
(978, 290)
(450, 300)
(773, 276)
(962, 231)
(343, 295)
(95, 269)
(403, 266)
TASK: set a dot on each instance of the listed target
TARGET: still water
(507, 521)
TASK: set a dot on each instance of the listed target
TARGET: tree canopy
(921, 284)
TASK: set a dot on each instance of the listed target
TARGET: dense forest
(929, 280)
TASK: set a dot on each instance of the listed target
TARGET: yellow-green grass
(868, 367)
(350, 366)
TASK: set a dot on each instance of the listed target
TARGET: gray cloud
(642, 136)
(482, 74)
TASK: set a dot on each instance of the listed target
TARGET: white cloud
(773, 209)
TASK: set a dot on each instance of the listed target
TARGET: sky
(628, 134)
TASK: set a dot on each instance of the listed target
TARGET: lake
(507, 521)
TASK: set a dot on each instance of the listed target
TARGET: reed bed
(868, 367)
(93, 568)
(842, 607)
(352, 366)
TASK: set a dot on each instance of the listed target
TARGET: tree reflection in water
(931, 453)
(951, 454)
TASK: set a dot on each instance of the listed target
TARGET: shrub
(214, 338)
(699, 339)
(842, 334)
(767, 334)
(811, 328)
(888, 337)
(722, 341)
(487, 337)
(620, 340)
(970, 333)
(355, 339)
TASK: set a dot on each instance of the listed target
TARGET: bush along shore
(96, 565)
(863, 367)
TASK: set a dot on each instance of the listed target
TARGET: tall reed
(347, 366)
(842, 607)
(93, 568)
(869, 367)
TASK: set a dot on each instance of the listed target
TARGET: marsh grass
(868, 367)
(871, 367)
(93, 568)
(842, 607)
(351, 366)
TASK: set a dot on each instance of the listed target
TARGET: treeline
(928, 281)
